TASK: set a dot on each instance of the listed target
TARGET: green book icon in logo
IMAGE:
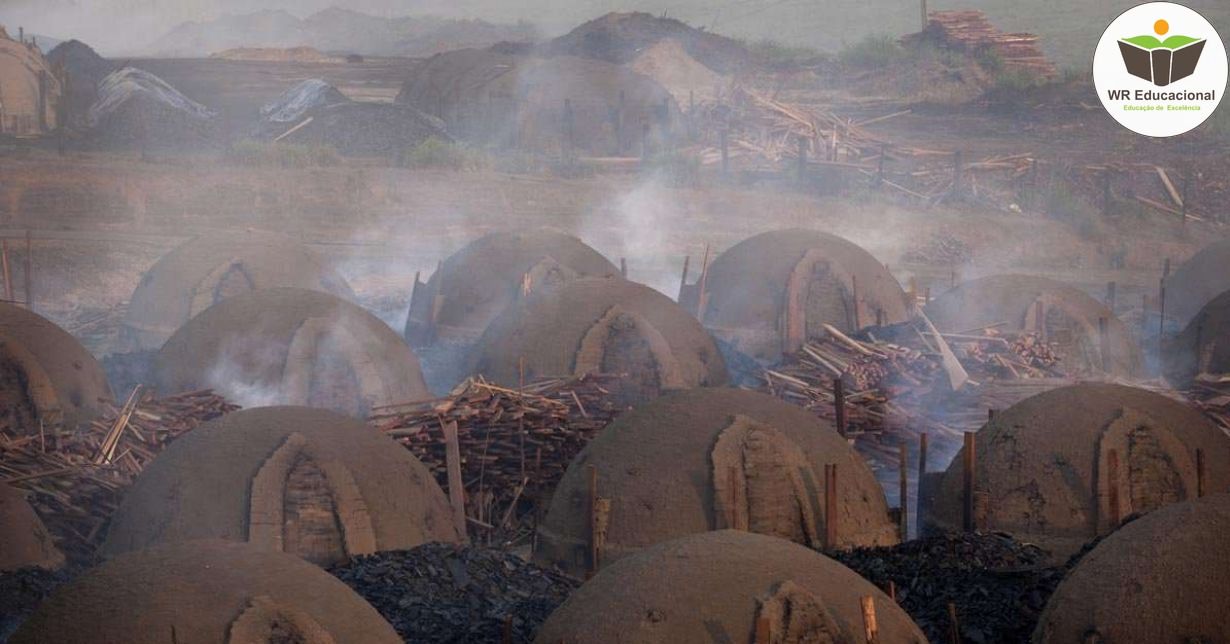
(1161, 62)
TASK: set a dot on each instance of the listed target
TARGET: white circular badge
(1160, 69)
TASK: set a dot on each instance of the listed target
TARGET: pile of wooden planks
(1010, 356)
(971, 30)
(514, 444)
(77, 477)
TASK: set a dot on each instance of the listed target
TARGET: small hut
(29, 90)
(291, 479)
(601, 325)
(206, 592)
(1160, 578)
(24, 540)
(1069, 465)
(766, 295)
(1087, 336)
(210, 268)
(1203, 348)
(707, 459)
(295, 347)
(557, 105)
(1198, 281)
(476, 283)
(47, 379)
(727, 586)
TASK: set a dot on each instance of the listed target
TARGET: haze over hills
(1069, 29)
(336, 29)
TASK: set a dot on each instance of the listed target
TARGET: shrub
(438, 153)
(872, 52)
(286, 155)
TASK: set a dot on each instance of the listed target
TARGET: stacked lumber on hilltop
(77, 478)
(514, 444)
(972, 31)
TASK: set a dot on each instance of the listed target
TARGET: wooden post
(990, 415)
(1104, 344)
(802, 159)
(1187, 181)
(904, 491)
(830, 506)
(725, 152)
(1112, 295)
(871, 631)
(839, 405)
(922, 455)
(892, 590)
(858, 322)
(623, 267)
(594, 554)
(954, 627)
(506, 633)
(1201, 485)
(456, 491)
(29, 272)
(924, 15)
(1112, 486)
(1161, 310)
(683, 280)
(8, 277)
(970, 461)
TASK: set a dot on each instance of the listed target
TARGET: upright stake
(1111, 295)
(839, 405)
(764, 630)
(969, 461)
(456, 493)
(1187, 181)
(1104, 345)
(1201, 486)
(1112, 486)
(924, 15)
(623, 267)
(858, 322)
(904, 491)
(922, 455)
(871, 631)
(29, 272)
(1161, 311)
(594, 554)
(8, 277)
(954, 627)
(830, 506)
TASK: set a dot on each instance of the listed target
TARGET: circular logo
(1160, 69)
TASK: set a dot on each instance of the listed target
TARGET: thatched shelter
(292, 346)
(1160, 578)
(1198, 281)
(601, 325)
(24, 540)
(29, 90)
(715, 587)
(707, 459)
(207, 592)
(553, 105)
(46, 377)
(1068, 465)
(476, 283)
(767, 294)
(1203, 348)
(292, 479)
(1059, 314)
(210, 268)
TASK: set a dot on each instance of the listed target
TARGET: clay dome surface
(1204, 346)
(24, 540)
(713, 587)
(707, 459)
(1198, 281)
(45, 374)
(1070, 319)
(294, 479)
(292, 346)
(476, 283)
(206, 592)
(604, 325)
(213, 267)
(1160, 578)
(1045, 464)
(767, 294)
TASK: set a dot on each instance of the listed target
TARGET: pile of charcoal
(997, 585)
(22, 590)
(441, 593)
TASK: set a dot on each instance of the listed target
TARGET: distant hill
(336, 30)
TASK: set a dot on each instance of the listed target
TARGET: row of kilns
(645, 506)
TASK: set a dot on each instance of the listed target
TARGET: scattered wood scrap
(515, 444)
(77, 478)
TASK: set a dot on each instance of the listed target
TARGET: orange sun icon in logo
(1161, 27)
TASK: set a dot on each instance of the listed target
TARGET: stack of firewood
(972, 31)
(77, 477)
(514, 444)
(993, 354)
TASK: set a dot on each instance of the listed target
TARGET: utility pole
(924, 15)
